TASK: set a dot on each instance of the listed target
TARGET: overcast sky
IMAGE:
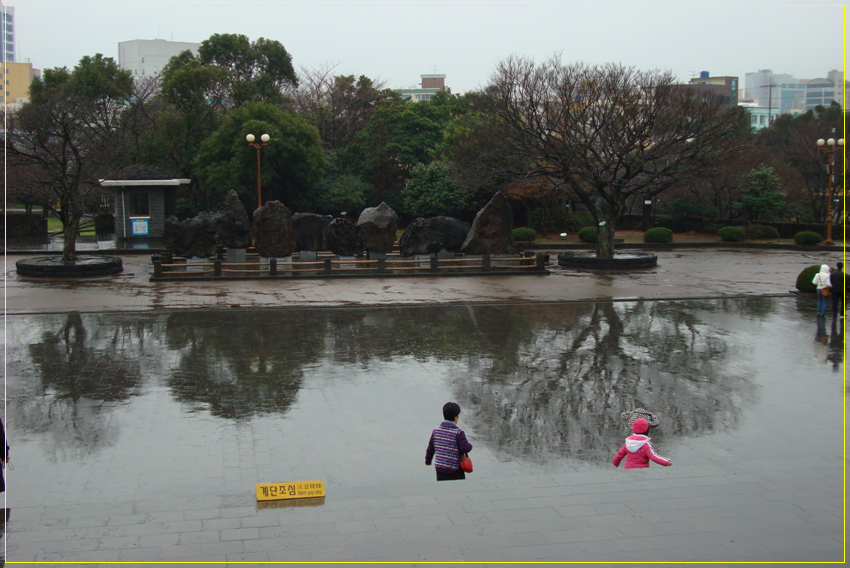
(398, 44)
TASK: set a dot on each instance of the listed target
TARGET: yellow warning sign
(290, 490)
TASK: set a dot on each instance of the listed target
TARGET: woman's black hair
(451, 410)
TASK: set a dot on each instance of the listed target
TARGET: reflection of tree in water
(82, 374)
(558, 389)
(241, 363)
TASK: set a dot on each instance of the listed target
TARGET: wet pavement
(682, 273)
(138, 434)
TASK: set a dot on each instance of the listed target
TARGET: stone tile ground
(156, 459)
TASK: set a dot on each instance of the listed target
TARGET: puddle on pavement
(253, 396)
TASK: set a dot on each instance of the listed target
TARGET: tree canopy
(292, 162)
(67, 137)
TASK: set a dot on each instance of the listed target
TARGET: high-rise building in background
(784, 93)
(147, 57)
(725, 87)
(17, 78)
(9, 30)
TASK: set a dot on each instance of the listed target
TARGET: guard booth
(144, 197)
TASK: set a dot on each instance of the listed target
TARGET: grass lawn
(54, 224)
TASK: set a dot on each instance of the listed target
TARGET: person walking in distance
(637, 450)
(821, 280)
(448, 443)
(836, 284)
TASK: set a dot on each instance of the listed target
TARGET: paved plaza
(142, 415)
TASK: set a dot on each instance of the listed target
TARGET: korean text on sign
(290, 490)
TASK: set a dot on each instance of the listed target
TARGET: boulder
(491, 231)
(344, 238)
(195, 236)
(429, 236)
(379, 224)
(274, 235)
(199, 235)
(234, 230)
(310, 230)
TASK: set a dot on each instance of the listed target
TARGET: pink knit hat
(640, 426)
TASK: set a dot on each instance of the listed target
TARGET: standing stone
(428, 236)
(310, 231)
(234, 229)
(274, 235)
(344, 238)
(491, 231)
(193, 237)
(380, 224)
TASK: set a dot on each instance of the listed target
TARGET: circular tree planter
(620, 260)
(54, 267)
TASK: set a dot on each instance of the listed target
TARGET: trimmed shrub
(578, 220)
(807, 238)
(587, 235)
(658, 235)
(732, 234)
(524, 234)
(761, 232)
(804, 280)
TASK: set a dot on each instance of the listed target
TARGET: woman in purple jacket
(447, 444)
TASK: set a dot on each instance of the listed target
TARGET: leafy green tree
(402, 135)
(196, 92)
(67, 137)
(761, 195)
(292, 162)
(430, 191)
(255, 71)
(338, 193)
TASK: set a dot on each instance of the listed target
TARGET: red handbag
(466, 464)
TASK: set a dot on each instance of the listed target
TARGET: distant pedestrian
(637, 450)
(821, 280)
(836, 287)
(448, 443)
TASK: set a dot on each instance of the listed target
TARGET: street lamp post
(265, 140)
(828, 146)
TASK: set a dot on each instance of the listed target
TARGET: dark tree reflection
(241, 363)
(559, 391)
(82, 374)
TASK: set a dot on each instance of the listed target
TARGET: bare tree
(340, 106)
(66, 137)
(607, 134)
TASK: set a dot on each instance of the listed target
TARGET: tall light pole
(265, 140)
(770, 86)
(830, 162)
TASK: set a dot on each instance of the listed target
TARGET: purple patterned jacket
(447, 443)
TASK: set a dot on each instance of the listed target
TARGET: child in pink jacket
(637, 450)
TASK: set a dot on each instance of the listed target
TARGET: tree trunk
(69, 250)
(605, 240)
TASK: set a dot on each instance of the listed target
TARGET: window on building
(143, 71)
(138, 204)
(143, 59)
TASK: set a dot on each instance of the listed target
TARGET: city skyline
(399, 44)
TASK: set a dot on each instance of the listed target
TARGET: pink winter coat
(638, 451)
